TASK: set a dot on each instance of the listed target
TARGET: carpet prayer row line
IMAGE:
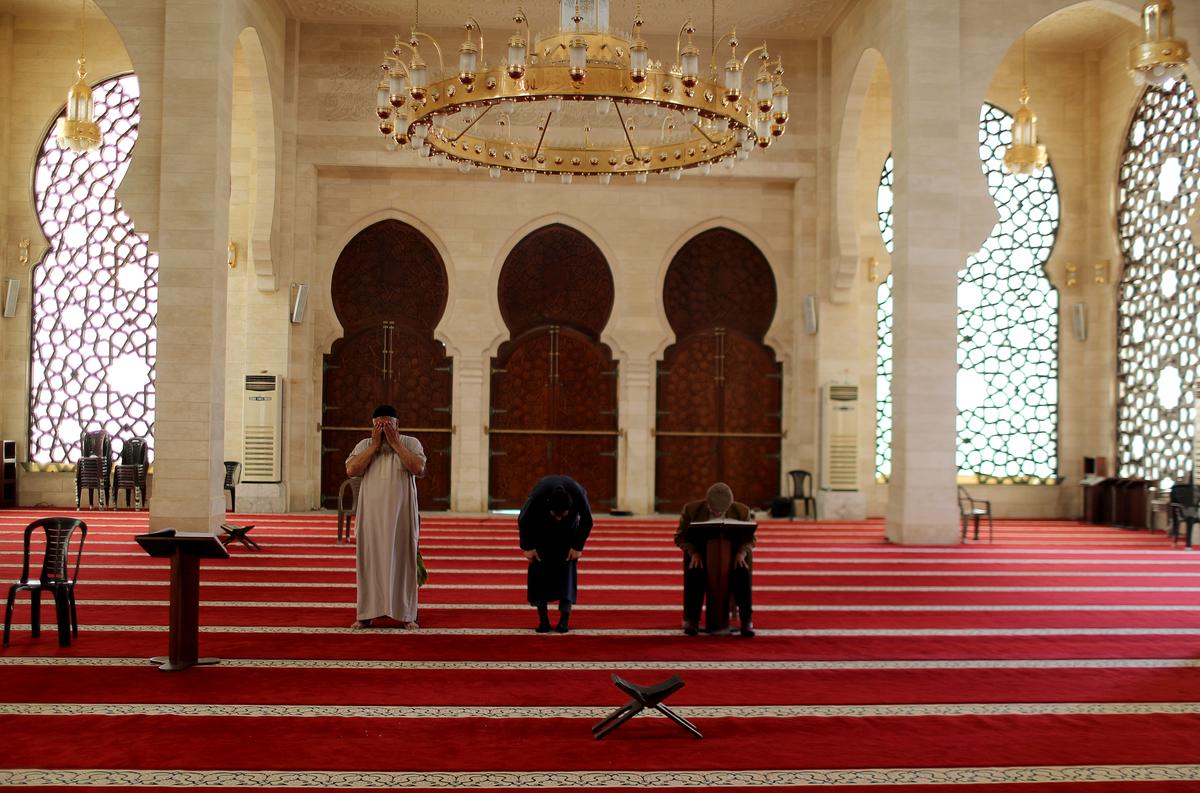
(1063, 656)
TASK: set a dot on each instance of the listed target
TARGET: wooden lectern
(185, 552)
(719, 537)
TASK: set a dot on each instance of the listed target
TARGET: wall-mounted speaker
(810, 314)
(1079, 320)
(12, 293)
(299, 302)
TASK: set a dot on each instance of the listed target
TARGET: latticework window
(883, 342)
(1007, 327)
(1160, 286)
(95, 293)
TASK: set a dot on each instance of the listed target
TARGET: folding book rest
(643, 697)
(237, 533)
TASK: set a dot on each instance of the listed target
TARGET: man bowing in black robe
(554, 525)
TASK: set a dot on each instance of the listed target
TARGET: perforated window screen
(95, 292)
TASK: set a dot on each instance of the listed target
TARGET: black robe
(554, 578)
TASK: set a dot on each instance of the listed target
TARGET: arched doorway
(389, 291)
(554, 384)
(719, 386)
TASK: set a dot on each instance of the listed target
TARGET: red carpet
(1063, 657)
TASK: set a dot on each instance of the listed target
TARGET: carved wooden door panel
(719, 387)
(553, 411)
(752, 393)
(718, 420)
(389, 291)
(688, 399)
(554, 389)
(586, 413)
(395, 366)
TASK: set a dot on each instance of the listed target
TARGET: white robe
(388, 526)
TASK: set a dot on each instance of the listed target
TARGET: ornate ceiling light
(1025, 156)
(584, 101)
(78, 129)
(1159, 56)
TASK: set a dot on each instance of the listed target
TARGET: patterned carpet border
(591, 713)
(501, 780)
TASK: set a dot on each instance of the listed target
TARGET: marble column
(635, 457)
(469, 472)
(193, 235)
(928, 141)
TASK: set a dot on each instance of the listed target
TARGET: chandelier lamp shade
(1159, 56)
(77, 129)
(1024, 156)
(584, 101)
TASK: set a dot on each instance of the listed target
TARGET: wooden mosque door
(719, 387)
(553, 384)
(389, 291)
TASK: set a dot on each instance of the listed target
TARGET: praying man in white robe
(388, 524)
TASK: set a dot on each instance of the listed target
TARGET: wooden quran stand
(719, 537)
(185, 552)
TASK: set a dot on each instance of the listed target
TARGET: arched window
(1160, 286)
(1007, 327)
(95, 292)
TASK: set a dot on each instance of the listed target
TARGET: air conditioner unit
(839, 437)
(262, 429)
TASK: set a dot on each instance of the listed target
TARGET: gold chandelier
(78, 130)
(1025, 156)
(1159, 56)
(583, 101)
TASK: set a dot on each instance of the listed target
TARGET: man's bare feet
(410, 626)
(358, 625)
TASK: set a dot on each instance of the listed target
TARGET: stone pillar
(468, 461)
(193, 236)
(928, 143)
(635, 450)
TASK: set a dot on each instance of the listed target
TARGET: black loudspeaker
(299, 302)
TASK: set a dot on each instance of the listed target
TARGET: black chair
(1184, 507)
(233, 475)
(347, 514)
(54, 577)
(93, 470)
(643, 697)
(802, 492)
(973, 509)
(130, 473)
(89, 476)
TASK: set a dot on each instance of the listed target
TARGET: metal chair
(53, 577)
(973, 509)
(802, 492)
(233, 475)
(346, 515)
